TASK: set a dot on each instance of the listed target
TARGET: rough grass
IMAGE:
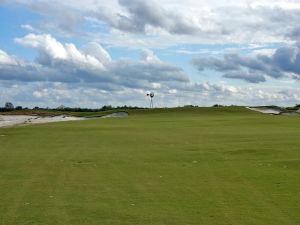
(172, 166)
(45, 112)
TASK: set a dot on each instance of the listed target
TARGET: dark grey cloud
(196, 21)
(294, 34)
(58, 17)
(247, 76)
(242, 22)
(118, 75)
(284, 62)
(150, 71)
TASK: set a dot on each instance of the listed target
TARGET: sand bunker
(8, 121)
(116, 115)
(273, 111)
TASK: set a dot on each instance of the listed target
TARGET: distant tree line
(103, 108)
(8, 107)
(296, 107)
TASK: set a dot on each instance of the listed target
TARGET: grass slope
(172, 166)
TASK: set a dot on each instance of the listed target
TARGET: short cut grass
(212, 166)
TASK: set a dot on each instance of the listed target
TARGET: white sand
(266, 110)
(8, 121)
(116, 115)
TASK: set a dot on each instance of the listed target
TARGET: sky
(96, 52)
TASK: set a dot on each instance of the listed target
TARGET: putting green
(167, 166)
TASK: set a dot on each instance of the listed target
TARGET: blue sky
(193, 52)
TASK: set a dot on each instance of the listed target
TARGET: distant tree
(217, 105)
(61, 107)
(19, 107)
(9, 105)
(106, 107)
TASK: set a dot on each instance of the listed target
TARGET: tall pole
(151, 103)
(151, 95)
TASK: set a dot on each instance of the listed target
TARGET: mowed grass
(170, 166)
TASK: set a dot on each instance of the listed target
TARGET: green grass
(173, 166)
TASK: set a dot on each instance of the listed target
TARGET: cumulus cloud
(41, 94)
(91, 64)
(149, 68)
(284, 62)
(53, 94)
(52, 52)
(147, 24)
(96, 50)
(6, 59)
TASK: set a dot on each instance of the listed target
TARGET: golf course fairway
(181, 166)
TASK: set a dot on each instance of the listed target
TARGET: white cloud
(147, 24)
(41, 94)
(206, 94)
(96, 50)
(124, 80)
(6, 59)
(156, 85)
(45, 43)
(264, 51)
(148, 56)
(29, 28)
(52, 52)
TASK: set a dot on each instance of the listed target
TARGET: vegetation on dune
(218, 166)
(9, 109)
(80, 112)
